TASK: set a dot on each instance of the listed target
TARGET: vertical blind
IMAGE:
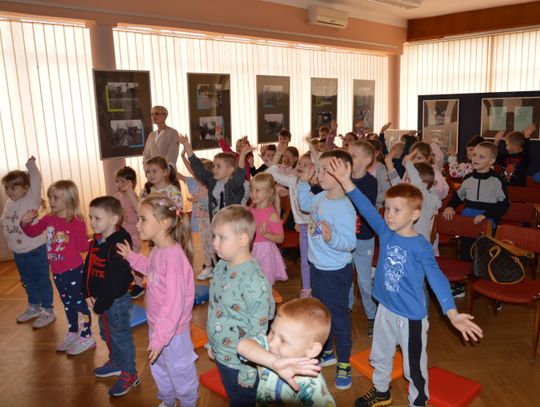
(490, 63)
(47, 103)
(169, 59)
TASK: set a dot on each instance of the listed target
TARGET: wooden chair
(520, 214)
(527, 292)
(524, 194)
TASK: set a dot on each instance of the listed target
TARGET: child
(200, 219)
(106, 281)
(169, 298)
(265, 210)
(225, 182)
(331, 239)
(297, 335)
(422, 176)
(66, 239)
(30, 253)
(268, 152)
(301, 219)
(363, 156)
(422, 153)
(459, 170)
(126, 180)
(405, 261)
(348, 140)
(162, 178)
(378, 170)
(482, 192)
(240, 144)
(240, 302)
(514, 156)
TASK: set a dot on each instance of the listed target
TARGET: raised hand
(529, 130)
(123, 249)
(499, 136)
(182, 139)
(385, 127)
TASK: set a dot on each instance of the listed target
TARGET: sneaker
(80, 345)
(343, 376)
(327, 359)
(107, 370)
(136, 292)
(305, 293)
(374, 398)
(370, 323)
(44, 319)
(29, 313)
(66, 343)
(124, 384)
(208, 272)
(498, 305)
(458, 291)
(163, 404)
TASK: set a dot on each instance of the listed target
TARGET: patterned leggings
(205, 231)
(68, 285)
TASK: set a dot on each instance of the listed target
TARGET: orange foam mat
(447, 389)
(198, 336)
(277, 296)
(360, 361)
(212, 380)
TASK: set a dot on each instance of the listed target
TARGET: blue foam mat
(138, 316)
(201, 294)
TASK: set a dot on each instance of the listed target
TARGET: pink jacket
(170, 292)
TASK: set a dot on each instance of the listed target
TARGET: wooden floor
(33, 374)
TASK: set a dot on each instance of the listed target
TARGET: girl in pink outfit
(170, 293)
(66, 239)
(265, 210)
(126, 179)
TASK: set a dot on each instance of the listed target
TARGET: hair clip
(162, 202)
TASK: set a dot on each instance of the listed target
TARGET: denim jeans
(115, 330)
(363, 257)
(332, 288)
(33, 268)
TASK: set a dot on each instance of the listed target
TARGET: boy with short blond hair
(225, 182)
(405, 260)
(296, 336)
(240, 303)
(331, 239)
(514, 155)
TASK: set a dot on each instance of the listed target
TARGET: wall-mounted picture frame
(323, 103)
(440, 119)
(363, 105)
(509, 114)
(209, 107)
(123, 106)
(273, 107)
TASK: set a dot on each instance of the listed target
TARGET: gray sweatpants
(389, 331)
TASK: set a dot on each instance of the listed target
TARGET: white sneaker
(29, 313)
(68, 340)
(80, 345)
(207, 273)
(162, 404)
(44, 319)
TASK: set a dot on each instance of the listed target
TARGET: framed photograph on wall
(323, 103)
(440, 119)
(273, 96)
(363, 105)
(209, 107)
(510, 114)
(123, 106)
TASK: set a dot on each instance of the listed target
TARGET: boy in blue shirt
(405, 260)
(331, 239)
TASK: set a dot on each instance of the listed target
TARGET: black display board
(470, 118)
(123, 106)
(323, 103)
(273, 95)
(363, 104)
(209, 107)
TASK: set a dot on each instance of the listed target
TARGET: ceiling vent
(327, 17)
(408, 4)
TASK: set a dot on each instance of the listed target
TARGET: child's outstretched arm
(342, 173)
(35, 181)
(463, 323)
(286, 368)
(305, 196)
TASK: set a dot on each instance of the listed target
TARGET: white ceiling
(398, 16)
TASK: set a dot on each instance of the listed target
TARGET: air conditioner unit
(327, 17)
(408, 4)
